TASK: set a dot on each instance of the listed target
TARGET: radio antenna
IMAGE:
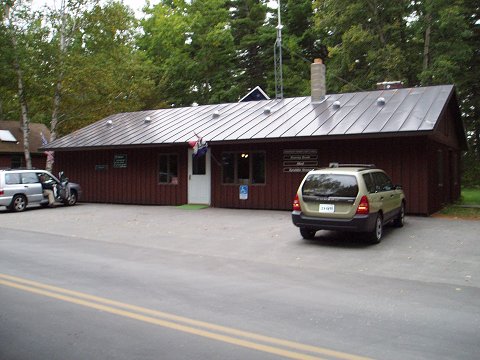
(277, 53)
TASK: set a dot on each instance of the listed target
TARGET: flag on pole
(45, 143)
(200, 146)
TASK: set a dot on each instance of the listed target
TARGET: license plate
(326, 208)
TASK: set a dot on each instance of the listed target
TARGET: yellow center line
(96, 302)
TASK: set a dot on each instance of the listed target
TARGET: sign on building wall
(101, 167)
(243, 192)
(120, 161)
(299, 160)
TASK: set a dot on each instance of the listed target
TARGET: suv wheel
(19, 203)
(375, 236)
(307, 234)
(400, 219)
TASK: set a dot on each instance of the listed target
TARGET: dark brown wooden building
(259, 151)
(11, 145)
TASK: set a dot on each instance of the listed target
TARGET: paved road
(138, 282)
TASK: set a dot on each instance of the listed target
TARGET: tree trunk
(377, 21)
(25, 122)
(57, 100)
(426, 45)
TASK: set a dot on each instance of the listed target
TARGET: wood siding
(38, 160)
(416, 163)
(135, 184)
(403, 159)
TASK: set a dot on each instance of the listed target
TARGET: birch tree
(14, 16)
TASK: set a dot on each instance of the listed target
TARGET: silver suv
(358, 198)
(19, 188)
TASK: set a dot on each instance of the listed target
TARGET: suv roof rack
(337, 165)
(18, 168)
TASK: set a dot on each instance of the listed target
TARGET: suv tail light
(296, 204)
(363, 208)
(1, 191)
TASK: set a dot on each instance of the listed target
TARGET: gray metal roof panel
(222, 128)
(354, 106)
(415, 109)
(326, 111)
(284, 113)
(430, 119)
(382, 118)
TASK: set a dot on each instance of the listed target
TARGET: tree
(367, 42)
(253, 45)
(20, 26)
(104, 73)
(192, 47)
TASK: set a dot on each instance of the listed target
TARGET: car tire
(307, 234)
(18, 204)
(72, 200)
(399, 221)
(375, 236)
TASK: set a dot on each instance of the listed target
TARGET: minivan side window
(382, 182)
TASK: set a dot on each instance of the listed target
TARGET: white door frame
(199, 186)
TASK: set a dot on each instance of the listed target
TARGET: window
(168, 169)
(30, 178)
(440, 167)
(382, 182)
(18, 161)
(199, 165)
(12, 179)
(243, 168)
(330, 185)
(369, 182)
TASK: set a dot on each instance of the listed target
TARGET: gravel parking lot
(427, 249)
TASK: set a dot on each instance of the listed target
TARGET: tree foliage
(211, 51)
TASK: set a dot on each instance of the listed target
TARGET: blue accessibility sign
(243, 192)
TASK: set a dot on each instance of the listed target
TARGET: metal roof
(35, 139)
(385, 112)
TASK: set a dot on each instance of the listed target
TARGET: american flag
(45, 143)
(200, 146)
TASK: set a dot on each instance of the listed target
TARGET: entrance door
(199, 178)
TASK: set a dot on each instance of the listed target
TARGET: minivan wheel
(375, 236)
(400, 219)
(19, 203)
(307, 234)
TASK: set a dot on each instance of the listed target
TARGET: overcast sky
(135, 5)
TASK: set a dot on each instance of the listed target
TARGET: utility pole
(277, 52)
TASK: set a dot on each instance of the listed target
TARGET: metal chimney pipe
(317, 80)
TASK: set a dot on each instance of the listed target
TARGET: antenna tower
(277, 52)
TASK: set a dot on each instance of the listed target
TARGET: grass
(470, 196)
(460, 209)
(192, 207)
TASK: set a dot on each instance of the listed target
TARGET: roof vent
(216, 114)
(387, 85)
(336, 105)
(147, 120)
(267, 110)
(381, 101)
(109, 122)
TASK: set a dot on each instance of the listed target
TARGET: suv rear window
(330, 185)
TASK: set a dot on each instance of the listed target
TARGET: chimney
(387, 85)
(317, 80)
